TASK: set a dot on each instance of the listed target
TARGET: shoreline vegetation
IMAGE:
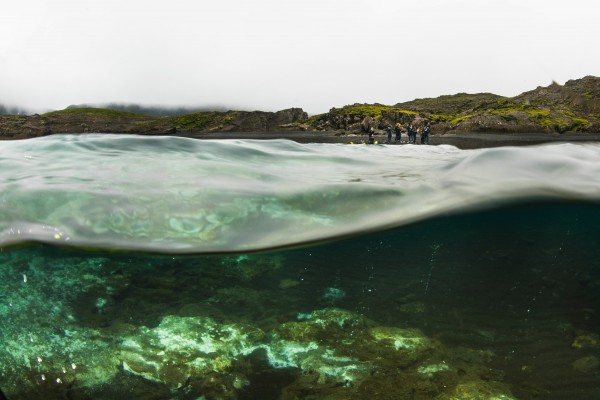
(569, 112)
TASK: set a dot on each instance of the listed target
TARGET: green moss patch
(197, 120)
(371, 110)
(460, 119)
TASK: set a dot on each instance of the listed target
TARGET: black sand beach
(462, 141)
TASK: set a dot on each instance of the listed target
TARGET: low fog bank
(155, 110)
(152, 110)
(13, 110)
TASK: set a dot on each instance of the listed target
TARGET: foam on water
(177, 195)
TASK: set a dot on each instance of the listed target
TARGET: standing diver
(398, 132)
(412, 134)
(425, 134)
(371, 138)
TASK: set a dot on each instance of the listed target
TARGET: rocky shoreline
(556, 112)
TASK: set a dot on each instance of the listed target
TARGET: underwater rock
(288, 283)
(182, 347)
(325, 364)
(478, 390)
(587, 364)
(44, 347)
(335, 316)
(345, 347)
(403, 346)
(333, 294)
(586, 340)
(320, 344)
(432, 369)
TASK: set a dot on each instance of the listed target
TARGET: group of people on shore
(410, 129)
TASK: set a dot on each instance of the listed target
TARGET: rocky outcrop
(83, 120)
(359, 118)
(580, 95)
(259, 121)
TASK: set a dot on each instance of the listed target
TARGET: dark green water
(504, 303)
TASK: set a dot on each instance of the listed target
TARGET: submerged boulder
(182, 347)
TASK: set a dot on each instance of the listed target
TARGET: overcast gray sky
(276, 54)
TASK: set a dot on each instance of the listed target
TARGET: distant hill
(572, 107)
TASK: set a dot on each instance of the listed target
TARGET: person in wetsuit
(389, 134)
(398, 131)
(425, 134)
(371, 138)
(412, 134)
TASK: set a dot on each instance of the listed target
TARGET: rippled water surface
(150, 268)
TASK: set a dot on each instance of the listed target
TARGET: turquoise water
(150, 268)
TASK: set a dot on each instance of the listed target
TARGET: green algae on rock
(181, 347)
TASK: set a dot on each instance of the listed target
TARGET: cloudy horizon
(271, 54)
